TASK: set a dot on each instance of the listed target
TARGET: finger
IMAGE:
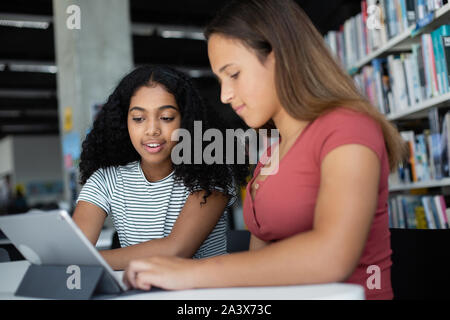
(125, 279)
(133, 269)
(143, 280)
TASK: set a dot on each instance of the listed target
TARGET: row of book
(418, 212)
(402, 81)
(378, 22)
(429, 151)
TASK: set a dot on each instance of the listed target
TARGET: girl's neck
(289, 127)
(156, 172)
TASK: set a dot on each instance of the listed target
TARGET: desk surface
(11, 274)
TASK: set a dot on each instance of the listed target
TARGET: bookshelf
(404, 40)
(392, 45)
(420, 185)
(419, 111)
(403, 69)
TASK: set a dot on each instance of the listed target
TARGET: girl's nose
(226, 94)
(153, 129)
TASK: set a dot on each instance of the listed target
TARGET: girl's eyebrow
(160, 108)
(138, 109)
(168, 107)
(224, 67)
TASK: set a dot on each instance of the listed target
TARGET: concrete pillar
(93, 52)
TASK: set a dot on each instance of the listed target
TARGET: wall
(6, 156)
(37, 159)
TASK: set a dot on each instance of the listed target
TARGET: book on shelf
(436, 146)
(418, 212)
(438, 40)
(377, 23)
(446, 58)
(429, 150)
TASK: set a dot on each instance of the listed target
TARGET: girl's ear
(270, 60)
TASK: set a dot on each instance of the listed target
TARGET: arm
(256, 243)
(90, 220)
(328, 253)
(190, 230)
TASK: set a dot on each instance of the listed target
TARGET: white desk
(11, 274)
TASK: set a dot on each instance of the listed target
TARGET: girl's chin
(255, 124)
(156, 160)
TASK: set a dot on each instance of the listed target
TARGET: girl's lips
(154, 150)
(239, 109)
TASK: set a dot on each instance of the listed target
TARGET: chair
(115, 244)
(238, 240)
(420, 264)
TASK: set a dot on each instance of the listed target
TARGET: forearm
(119, 258)
(303, 259)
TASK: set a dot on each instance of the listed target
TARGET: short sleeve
(95, 191)
(350, 127)
(231, 192)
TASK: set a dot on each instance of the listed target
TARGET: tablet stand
(66, 282)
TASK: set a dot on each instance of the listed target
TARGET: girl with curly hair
(157, 207)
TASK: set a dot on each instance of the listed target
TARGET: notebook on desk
(52, 239)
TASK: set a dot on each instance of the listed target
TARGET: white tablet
(52, 238)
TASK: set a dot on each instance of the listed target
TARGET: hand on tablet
(170, 273)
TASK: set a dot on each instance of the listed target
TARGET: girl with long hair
(323, 217)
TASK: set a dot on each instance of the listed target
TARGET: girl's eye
(235, 76)
(138, 119)
(167, 119)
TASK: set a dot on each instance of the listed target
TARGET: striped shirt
(141, 210)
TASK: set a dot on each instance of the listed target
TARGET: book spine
(411, 9)
(435, 87)
(404, 14)
(416, 78)
(428, 213)
(426, 59)
(435, 213)
(365, 17)
(446, 47)
(444, 32)
(409, 69)
(444, 209)
(401, 213)
(417, 50)
(421, 220)
(420, 9)
(435, 36)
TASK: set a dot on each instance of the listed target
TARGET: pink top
(284, 203)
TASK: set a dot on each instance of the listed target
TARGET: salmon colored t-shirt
(284, 202)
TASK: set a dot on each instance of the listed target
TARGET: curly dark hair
(109, 144)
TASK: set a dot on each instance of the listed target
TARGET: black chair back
(420, 264)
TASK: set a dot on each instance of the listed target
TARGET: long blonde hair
(309, 81)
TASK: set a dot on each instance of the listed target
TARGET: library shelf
(420, 185)
(419, 110)
(404, 40)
